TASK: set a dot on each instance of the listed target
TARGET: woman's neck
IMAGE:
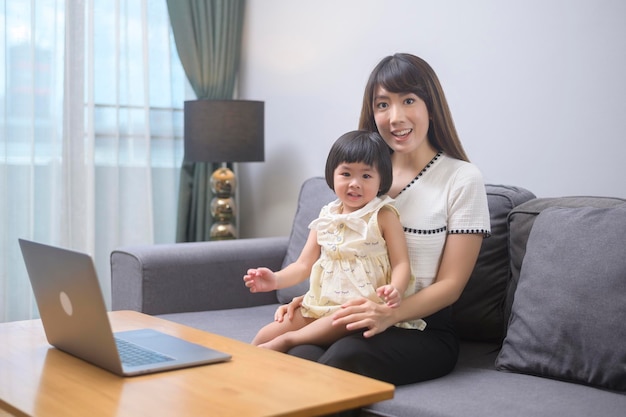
(406, 166)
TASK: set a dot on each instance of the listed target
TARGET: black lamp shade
(224, 131)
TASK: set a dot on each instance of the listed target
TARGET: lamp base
(222, 231)
(223, 184)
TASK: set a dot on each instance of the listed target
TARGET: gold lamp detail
(224, 131)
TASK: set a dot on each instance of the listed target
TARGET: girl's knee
(266, 334)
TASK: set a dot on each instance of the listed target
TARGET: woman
(443, 208)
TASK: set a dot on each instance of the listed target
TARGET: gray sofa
(540, 338)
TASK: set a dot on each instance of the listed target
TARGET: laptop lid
(75, 320)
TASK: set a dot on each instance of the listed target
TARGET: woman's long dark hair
(406, 73)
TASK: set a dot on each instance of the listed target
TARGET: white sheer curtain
(91, 95)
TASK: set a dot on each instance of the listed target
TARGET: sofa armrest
(199, 276)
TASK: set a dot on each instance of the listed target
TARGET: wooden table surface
(39, 380)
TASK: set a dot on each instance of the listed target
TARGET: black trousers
(398, 356)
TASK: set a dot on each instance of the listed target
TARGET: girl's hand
(365, 314)
(288, 309)
(260, 280)
(390, 295)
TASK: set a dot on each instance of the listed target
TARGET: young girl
(356, 248)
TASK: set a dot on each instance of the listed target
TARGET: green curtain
(208, 41)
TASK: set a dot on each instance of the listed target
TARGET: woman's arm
(457, 263)
(458, 260)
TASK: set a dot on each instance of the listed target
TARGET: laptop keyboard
(133, 355)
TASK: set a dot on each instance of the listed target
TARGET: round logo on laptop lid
(66, 303)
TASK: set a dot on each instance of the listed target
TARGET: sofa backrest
(314, 194)
(478, 314)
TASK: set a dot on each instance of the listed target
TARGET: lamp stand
(225, 132)
(223, 185)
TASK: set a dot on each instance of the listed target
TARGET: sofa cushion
(481, 392)
(237, 323)
(521, 221)
(567, 319)
(314, 194)
(478, 314)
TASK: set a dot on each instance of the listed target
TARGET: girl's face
(356, 184)
(402, 119)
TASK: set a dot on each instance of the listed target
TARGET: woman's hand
(288, 309)
(365, 314)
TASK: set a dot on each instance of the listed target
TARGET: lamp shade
(224, 131)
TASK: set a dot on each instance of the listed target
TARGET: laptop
(75, 319)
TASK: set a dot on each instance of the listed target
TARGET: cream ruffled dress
(353, 261)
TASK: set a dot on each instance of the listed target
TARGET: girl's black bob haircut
(361, 146)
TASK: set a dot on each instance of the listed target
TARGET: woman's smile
(401, 134)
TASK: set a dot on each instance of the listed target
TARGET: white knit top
(447, 197)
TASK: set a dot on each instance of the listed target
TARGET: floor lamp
(224, 131)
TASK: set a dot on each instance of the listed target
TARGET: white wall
(537, 89)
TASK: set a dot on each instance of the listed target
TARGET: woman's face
(401, 118)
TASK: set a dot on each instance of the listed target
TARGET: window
(108, 177)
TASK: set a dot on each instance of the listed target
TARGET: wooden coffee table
(39, 380)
